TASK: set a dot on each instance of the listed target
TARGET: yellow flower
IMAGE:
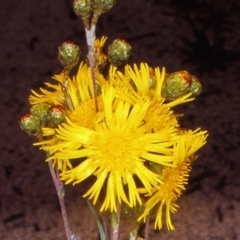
(174, 181)
(173, 178)
(115, 151)
(131, 144)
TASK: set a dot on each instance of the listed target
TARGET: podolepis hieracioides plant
(114, 123)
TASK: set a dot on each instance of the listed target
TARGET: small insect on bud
(83, 9)
(56, 115)
(196, 86)
(176, 85)
(119, 52)
(101, 6)
(40, 111)
(30, 124)
(68, 54)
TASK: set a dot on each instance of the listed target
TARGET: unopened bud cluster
(180, 83)
(90, 10)
(42, 115)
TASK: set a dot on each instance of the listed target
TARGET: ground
(199, 36)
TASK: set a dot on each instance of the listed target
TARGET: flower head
(131, 144)
(115, 151)
(173, 179)
(166, 193)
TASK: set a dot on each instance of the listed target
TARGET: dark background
(202, 37)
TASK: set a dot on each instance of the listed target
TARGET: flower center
(84, 114)
(115, 149)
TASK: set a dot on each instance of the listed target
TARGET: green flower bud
(103, 5)
(30, 124)
(119, 52)
(56, 115)
(176, 85)
(196, 86)
(68, 54)
(40, 111)
(83, 9)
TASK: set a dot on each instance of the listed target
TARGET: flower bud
(40, 111)
(101, 6)
(68, 54)
(119, 52)
(30, 124)
(196, 86)
(83, 9)
(176, 85)
(56, 115)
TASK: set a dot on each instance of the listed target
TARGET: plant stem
(114, 226)
(146, 237)
(90, 36)
(60, 192)
(65, 89)
(115, 222)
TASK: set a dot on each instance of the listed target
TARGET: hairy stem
(146, 233)
(115, 223)
(90, 36)
(60, 192)
(65, 89)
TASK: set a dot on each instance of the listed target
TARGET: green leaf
(98, 221)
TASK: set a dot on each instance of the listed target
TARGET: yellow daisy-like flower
(130, 141)
(115, 151)
(174, 178)
(167, 192)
